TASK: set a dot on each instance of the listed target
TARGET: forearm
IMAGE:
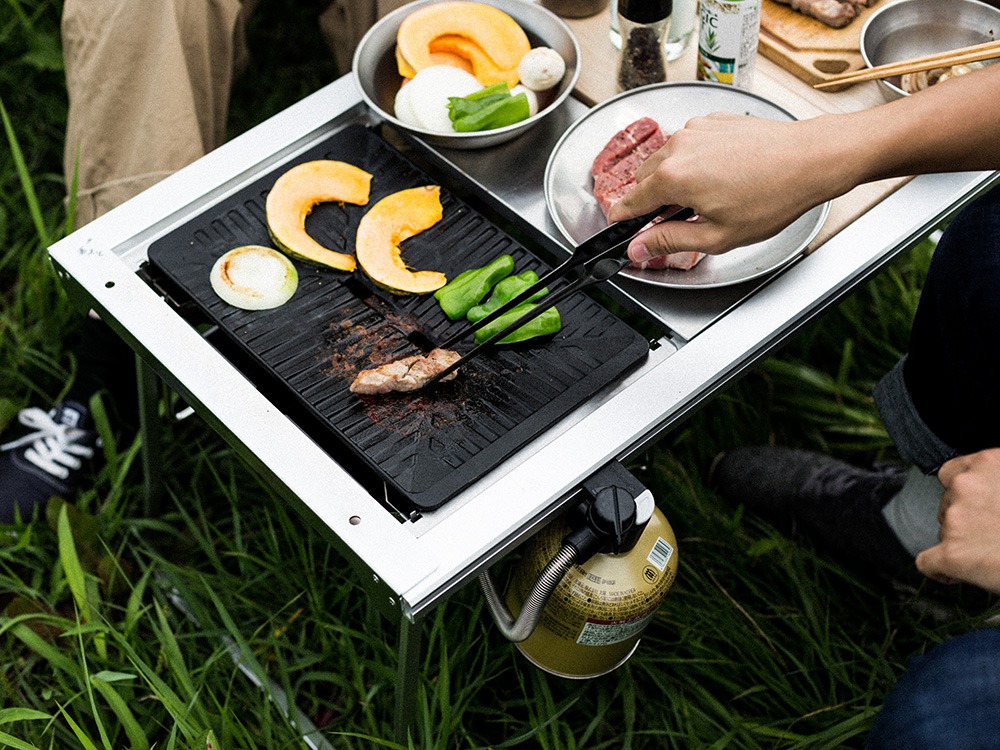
(748, 178)
(950, 127)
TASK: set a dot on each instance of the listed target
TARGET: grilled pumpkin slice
(396, 218)
(296, 193)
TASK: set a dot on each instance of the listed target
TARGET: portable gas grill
(426, 446)
(421, 502)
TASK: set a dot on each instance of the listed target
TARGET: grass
(764, 641)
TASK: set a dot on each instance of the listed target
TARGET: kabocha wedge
(396, 218)
(474, 31)
(293, 197)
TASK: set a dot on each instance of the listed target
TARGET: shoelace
(54, 447)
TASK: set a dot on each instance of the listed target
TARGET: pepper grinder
(643, 25)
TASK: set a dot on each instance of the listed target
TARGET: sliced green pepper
(461, 106)
(546, 323)
(468, 288)
(496, 115)
(504, 292)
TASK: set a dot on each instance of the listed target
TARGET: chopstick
(961, 56)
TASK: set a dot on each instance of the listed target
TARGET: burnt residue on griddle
(480, 390)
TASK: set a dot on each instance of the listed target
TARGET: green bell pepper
(495, 115)
(462, 106)
(470, 287)
(504, 292)
(546, 323)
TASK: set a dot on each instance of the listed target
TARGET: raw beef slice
(614, 175)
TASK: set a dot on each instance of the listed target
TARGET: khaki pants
(149, 83)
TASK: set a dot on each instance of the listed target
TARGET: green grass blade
(88, 744)
(8, 715)
(55, 658)
(136, 736)
(7, 740)
(26, 184)
(76, 579)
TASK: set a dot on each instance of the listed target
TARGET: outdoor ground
(764, 642)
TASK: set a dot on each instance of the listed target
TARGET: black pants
(944, 397)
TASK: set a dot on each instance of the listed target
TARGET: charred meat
(406, 374)
(834, 13)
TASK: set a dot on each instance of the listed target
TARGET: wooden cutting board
(807, 48)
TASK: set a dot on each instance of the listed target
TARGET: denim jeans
(948, 698)
(943, 399)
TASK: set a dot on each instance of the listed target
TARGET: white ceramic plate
(571, 202)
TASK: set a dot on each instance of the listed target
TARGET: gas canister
(587, 586)
(594, 618)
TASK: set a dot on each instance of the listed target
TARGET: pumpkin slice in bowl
(483, 66)
(498, 35)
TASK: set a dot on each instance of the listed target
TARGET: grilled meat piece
(834, 13)
(406, 374)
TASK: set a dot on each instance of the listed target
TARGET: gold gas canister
(587, 586)
(594, 618)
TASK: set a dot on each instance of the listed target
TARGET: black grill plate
(426, 446)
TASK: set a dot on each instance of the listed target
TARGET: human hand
(969, 514)
(746, 178)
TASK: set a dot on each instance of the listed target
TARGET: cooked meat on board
(614, 171)
(406, 374)
(834, 13)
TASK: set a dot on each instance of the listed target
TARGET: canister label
(605, 632)
(727, 41)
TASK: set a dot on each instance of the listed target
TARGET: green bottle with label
(727, 41)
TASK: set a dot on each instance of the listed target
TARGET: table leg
(151, 430)
(407, 674)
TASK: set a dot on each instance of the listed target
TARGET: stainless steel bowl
(376, 76)
(913, 28)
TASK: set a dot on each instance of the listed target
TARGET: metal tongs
(601, 256)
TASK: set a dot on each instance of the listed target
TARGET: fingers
(951, 469)
(652, 163)
(931, 562)
(641, 199)
(668, 237)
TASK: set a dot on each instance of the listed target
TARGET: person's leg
(949, 697)
(941, 400)
(148, 86)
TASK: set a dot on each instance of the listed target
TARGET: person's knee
(949, 697)
(972, 239)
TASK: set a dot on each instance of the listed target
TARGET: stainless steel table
(410, 565)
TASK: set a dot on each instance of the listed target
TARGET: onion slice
(254, 277)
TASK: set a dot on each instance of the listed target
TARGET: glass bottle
(575, 8)
(643, 25)
(727, 41)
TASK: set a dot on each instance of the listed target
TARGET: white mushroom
(541, 68)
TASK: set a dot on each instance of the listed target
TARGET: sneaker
(50, 460)
(838, 504)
